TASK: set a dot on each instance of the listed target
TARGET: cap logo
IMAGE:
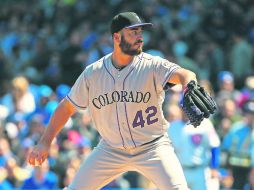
(137, 18)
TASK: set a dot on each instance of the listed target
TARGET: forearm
(57, 121)
(182, 76)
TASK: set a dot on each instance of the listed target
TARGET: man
(237, 145)
(196, 148)
(124, 92)
(41, 178)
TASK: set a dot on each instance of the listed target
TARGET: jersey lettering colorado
(126, 105)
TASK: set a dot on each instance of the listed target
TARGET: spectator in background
(44, 95)
(86, 127)
(53, 158)
(20, 99)
(70, 62)
(5, 151)
(226, 116)
(237, 147)
(203, 64)
(24, 149)
(216, 60)
(70, 171)
(46, 102)
(83, 148)
(250, 183)
(36, 127)
(52, 73)
(5, 74)
(240, 58)
(248, 89)
(197, 150)
(7, 162)
(40, 60)
(99, 49)
(16, 129)
(180, 49)
(41, 178)
(16, 174)
(227, 88)
(4, 183)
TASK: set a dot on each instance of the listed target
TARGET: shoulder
(155, 59)
(96, 66)
(237, 127)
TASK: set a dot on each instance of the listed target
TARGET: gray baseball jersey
(126, 105)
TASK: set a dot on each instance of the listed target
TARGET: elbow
(182, 76)
(188, 76)
(191, 76)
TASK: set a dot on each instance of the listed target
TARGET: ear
(117, 37)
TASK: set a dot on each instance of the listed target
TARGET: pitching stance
(124, 92)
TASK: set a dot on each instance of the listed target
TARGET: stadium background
(45, 45)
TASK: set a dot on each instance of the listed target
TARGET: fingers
(35, 158)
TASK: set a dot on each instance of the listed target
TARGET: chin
(139, 51)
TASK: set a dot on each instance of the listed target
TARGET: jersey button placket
(121, 111)
(118, 88)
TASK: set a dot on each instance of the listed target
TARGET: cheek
(130, 39)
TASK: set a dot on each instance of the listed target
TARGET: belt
(154, 140)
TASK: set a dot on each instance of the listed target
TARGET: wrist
(44, 142)
(190, 85)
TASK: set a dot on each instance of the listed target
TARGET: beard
(126, 47)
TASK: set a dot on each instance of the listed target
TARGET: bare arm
(61, 115)
(182, 76)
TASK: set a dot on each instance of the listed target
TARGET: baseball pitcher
(124, 92)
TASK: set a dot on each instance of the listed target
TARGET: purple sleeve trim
(169, 74)
(76, 105)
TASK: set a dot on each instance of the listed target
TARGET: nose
(139, 37)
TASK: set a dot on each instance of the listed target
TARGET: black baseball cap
(126, 20)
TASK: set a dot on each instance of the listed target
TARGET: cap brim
(140, 25)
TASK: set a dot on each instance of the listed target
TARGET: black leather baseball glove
(197, 104)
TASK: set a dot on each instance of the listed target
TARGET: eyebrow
(136, 28)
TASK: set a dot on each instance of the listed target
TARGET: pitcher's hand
(38, 155)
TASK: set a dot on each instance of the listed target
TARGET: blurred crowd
(45, 45)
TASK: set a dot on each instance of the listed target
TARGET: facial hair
(126, 47)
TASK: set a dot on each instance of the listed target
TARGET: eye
(136, 32)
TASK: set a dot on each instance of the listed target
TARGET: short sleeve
(163, 71)
(78, 94)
